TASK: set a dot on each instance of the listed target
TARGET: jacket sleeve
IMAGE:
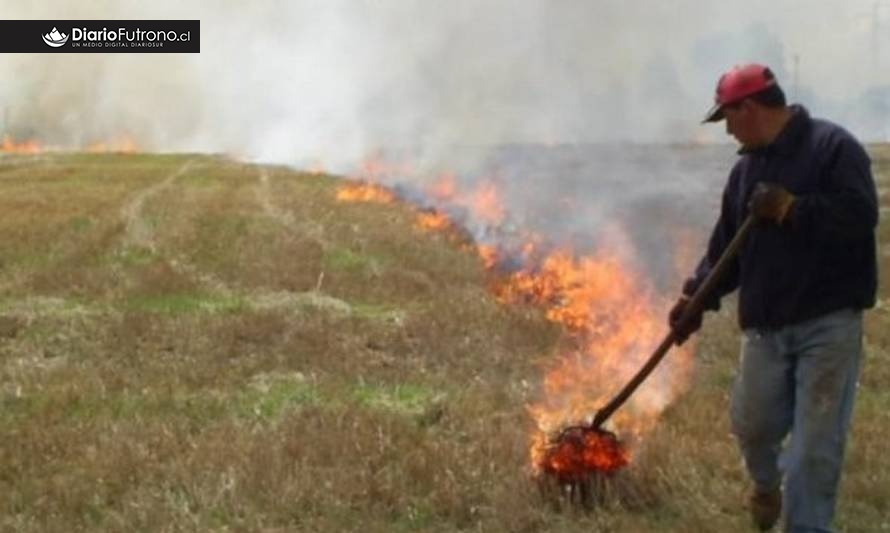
(847, 204)
(723, 232)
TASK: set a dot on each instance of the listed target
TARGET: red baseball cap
(739, 83)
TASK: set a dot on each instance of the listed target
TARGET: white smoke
(330, 81)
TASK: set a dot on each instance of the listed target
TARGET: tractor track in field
(140, 235)
(138, 232)
(313, 230)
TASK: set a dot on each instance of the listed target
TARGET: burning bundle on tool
(611, 320)
(576, 463)
(578, 458)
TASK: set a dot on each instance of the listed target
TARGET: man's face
(741, 123)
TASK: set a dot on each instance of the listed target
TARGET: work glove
(683, 329)
(771, 201)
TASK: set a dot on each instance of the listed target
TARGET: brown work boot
(765, 506)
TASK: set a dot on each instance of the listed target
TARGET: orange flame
(488, 254)
(11, 146)
(377, 169)
(485, 203)
(365, 192)
(574, 291)
(609, 311)
(444, 188)
(123, 144)
(579, 452)
(615, 323)
(433, 220)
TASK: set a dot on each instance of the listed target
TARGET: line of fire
(123, 144)
(609, 313)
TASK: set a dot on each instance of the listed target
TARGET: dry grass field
(189, 343)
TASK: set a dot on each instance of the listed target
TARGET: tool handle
(695, 306)
(706, 289)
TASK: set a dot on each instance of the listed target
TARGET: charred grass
(192, 343)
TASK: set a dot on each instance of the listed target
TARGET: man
(805, 273)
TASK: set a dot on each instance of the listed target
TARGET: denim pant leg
(828, 351)
(763, 404)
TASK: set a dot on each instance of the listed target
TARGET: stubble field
(189, 343)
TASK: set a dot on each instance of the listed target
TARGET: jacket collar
(788, 139)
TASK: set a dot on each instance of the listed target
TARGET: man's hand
(682, 330)
(771, 201)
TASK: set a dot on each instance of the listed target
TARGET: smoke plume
(564, 101)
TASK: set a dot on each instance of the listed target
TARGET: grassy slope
(189, 343)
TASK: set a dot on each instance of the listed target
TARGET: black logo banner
(100, 36)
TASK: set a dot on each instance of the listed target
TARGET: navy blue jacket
(823, 257)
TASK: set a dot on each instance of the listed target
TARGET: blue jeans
(799, 379)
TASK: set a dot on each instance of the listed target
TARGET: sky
(329, 81)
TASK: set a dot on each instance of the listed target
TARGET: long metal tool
(695, 306)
